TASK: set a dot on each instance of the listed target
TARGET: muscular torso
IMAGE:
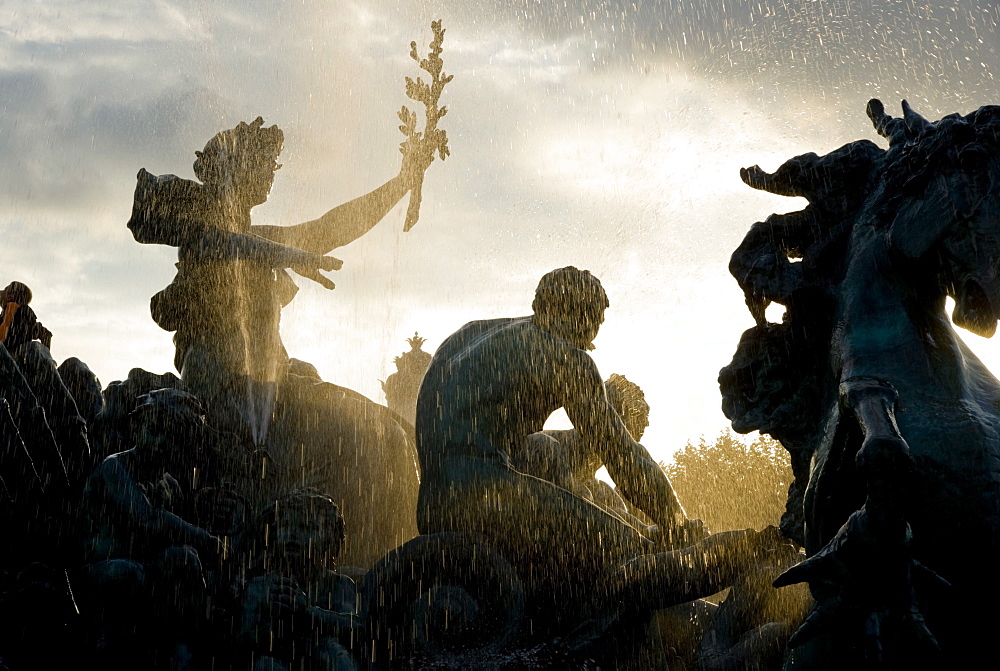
(490, 385)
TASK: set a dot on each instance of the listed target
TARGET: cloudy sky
(606, 134)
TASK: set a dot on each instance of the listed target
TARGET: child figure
(296, 608)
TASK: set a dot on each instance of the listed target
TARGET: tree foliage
(732, 484)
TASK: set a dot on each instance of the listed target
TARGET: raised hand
(165, 493)
(220, 509)
(417, 157)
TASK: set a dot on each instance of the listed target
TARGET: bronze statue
(26, 343)
(890, 419)
(18, 323)
(507, 557)
(565, 458)
(401, 388)
(224, 304)
(492, 384)
(146, 586)
(135, 499)
(296, 608)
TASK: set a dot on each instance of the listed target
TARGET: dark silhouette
(133, 497)
(225, 302)
(143, 552)
(492, 384)
(224, 306)
(33, 379)
(204, 531)
(401, 387)
(296, 608)
(18, 323)
(567, 459)
(890, 419)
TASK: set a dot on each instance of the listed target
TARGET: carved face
(169, 424)
(253, 177)
(636, 418)
(587, 326)
(304, 538)
(240, 162)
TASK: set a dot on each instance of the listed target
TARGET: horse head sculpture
(892, 422)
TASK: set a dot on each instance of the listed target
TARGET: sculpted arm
(637, 475)
(341, 225)
(216, 244)
(170, 211)
(125, 496)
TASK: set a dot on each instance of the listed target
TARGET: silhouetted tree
(732, 484)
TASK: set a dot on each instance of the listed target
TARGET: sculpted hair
(178, 409)
(568, 291)
(303, 504)
(622, 393)
(246, 143)
(19, 293)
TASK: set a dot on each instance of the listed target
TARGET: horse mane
(955, 141)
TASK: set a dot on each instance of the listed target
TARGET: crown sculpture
(401, 387)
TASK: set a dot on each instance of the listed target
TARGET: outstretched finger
(331, 263)
(315, 276)
(324, 282)
(876, 111)
(750, 175)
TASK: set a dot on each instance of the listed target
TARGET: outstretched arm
(172, 211)
(634, 471)
(216, 244)
(149, 522)
(348, 222)
(341, 225)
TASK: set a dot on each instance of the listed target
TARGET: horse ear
(921, 223)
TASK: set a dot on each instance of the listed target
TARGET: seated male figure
(492, 384)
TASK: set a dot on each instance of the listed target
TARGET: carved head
(167, 419)
(943, 181)
(15, 292)
(241, 161)
(570, 303)
(629, 401)
(306, 529)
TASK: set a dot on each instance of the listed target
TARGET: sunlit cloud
(600, 133)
